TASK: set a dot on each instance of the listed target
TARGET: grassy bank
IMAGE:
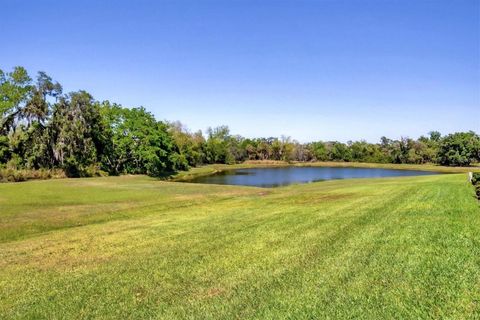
(135, 247)
(214, 168)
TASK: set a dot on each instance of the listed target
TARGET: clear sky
(312, 70)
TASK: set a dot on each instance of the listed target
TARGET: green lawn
(134, 247)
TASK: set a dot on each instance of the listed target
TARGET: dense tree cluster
(41, 127)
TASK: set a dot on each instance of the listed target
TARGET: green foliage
(219, 145)
(459, 149)
(476, 183)
(319, 151)
(190, 145)
(362, 151)
(11, 174)
(138, 143)
(15, 88)
(40, 127)
(476, 178)
(76, 133)
(338, 151)
(4, 149)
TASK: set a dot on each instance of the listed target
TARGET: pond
(275, 177)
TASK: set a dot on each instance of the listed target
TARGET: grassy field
(134, 247)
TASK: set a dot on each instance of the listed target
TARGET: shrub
(476, 178)
(476, 183)
(94, 171)
(14, 175)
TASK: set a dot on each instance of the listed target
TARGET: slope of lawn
(134, 247)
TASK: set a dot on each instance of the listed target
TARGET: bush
(14, 175)
(75, 170)
(476, 183)
(476, 178)
(94, 171)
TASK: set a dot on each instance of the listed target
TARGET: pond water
(274, 177)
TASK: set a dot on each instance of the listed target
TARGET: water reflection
(275, 177)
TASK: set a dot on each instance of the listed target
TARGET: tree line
(42, 127)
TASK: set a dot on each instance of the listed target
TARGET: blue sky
(312, 70)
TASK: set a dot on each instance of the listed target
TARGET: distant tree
(338, 151)
(15, 90)
(38, 106)
(459, 149)
(275, 149)
(250, 147)
(24, 108)
(363, 151)
(190, 145)
(302, 152)
(36, 113)
(235, 149)
(287, 149)
(427, 148)
(76, 130)
(218, 145)
(139, 143)
(264, 149)
(435, 136)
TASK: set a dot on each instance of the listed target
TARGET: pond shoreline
(283, 176)
(217, 168)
